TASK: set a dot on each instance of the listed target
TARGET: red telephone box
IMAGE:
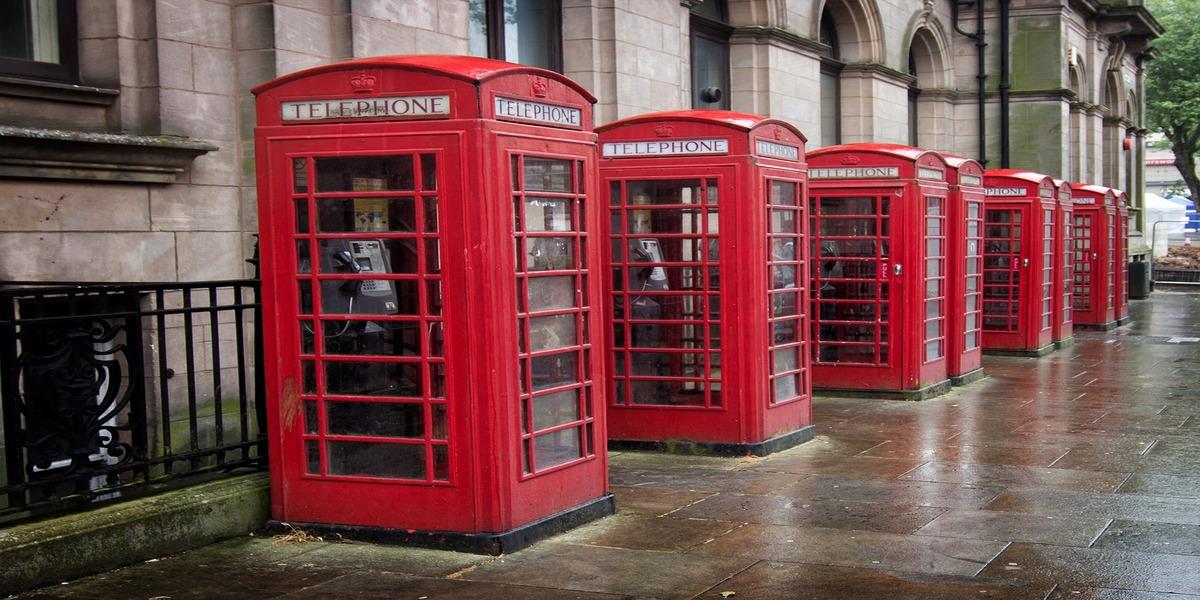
(428, 291)
(878, 238)
(1094, 291)
(1018, 262)
(708, 287)
(1063, 334)
(1122, 295)
(964, 282)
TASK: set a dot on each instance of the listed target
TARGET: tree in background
(1173, 84)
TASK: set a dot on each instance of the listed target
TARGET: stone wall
(185, 68)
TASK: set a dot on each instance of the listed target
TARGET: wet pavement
(1071, 476)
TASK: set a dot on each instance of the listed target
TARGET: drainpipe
(980, 72)
(1004, 84)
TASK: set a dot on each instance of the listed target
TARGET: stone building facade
(126, 147)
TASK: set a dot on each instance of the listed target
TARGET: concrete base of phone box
(1030, 352)
(1097, 326)
(493, 544)
(1064, 343)
(968, 377)
(769, 446)
(1124, 321)
(930, 391)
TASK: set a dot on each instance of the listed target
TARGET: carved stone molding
(62, 154)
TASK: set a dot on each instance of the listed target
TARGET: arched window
(521, 31)
(1075, 155)
(914, 93)
(710, 33)
(831, 88)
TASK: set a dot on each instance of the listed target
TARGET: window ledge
(53, 90)
(62, 154)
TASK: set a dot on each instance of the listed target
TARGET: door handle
(897, 269)
(1024, 262)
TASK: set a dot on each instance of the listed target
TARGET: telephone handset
(372, 296)
(648, 250)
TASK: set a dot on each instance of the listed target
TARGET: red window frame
(582, 424)
(1002, 295)
(708, 292)
(1047, 316)
(973, 286)
(778, 263)
(313, 357)
(880, 263)
(1083, 273)
(936, 265)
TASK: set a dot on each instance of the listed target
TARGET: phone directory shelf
(707, 294)
(427, 227)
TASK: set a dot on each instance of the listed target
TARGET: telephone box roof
(467, 68)
(897, 150)
(1021, 174)
(728, 118)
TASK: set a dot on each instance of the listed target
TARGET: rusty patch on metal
(289, 403)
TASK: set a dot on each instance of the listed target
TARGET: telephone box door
(666, 302)
(853, 269)
(370, 408)
(1084, 290)
(1005, 271)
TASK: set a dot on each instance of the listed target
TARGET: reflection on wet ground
(1072, 476)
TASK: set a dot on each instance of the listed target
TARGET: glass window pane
(344, 256)
(783, 193)
(783, 221)
(385, 419)
(668, 393)
(551, 293)
(787, 387)
(531, 33)
(555, 409)
(373, 379)
(549, 253)
(554, 370)
(546, 333)
(556, 448)
(710, 72)
(364, 173)
(369, 297)
(477, 29)
(548, 214)
(338, 215)
(312, 451)
(547, 175)
(786, 359)
(379, 338)
(685, 191)
(404, 461)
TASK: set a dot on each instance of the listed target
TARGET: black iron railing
(115, 390)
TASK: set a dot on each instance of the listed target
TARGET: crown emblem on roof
(851, 159)
(539, 87)
(777, 134)
(663, 130)
(362, 82)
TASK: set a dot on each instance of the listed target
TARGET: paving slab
(866, 549)
(775, 580)
(1160, 538)
(1016, 527)
(1098, 567)
(1133, 507)
(835, 514)
(647, 532)
(642, 573)
(1153, 484)
(915, 493)
(1063, 479)
(375, 585)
